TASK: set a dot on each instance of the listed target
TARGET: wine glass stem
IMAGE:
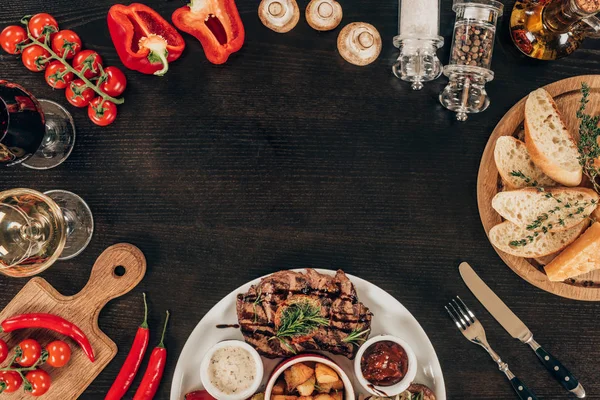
(33, 231)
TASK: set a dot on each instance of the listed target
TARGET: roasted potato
(307, 388)
(305, 398)
(323, 396)
(296, 375)
(258, 396)
(328, 387)
(337, 395)
(284, 397)
(279, 387)
(325, 374)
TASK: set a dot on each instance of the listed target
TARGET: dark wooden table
(288, 156)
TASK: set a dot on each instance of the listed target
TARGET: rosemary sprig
(257, 302)
(300, 318)
(589, 149)
(356, 337)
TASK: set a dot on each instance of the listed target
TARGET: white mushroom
(324, 15)
(279, 15)
(359, 43)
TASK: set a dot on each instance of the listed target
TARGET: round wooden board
(567, 94)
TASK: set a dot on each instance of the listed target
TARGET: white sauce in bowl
(232, 369)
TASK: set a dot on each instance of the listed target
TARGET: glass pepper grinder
(418, 39)
(471, 56)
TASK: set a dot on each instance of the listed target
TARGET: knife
(517, 328)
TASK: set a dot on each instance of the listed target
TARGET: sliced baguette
(524, 206)
(511, 155)
(504, 233)
(549, 142)
(580, 257)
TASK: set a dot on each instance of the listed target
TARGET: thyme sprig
(356, 337)
(589, 149)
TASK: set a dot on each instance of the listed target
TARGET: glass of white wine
(36, 229)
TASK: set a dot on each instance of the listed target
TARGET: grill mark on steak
(339, 304)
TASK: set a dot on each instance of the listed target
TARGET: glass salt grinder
(471, 56)
(418, 39)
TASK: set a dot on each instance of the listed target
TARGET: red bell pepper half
(144, 40)
(215, 23)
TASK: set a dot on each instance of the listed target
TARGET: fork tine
(463, 323)
(458, 325)
(462, 313)
(467, 308)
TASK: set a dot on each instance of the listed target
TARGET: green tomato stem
(80, 75)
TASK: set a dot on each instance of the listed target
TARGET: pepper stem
(145, 323)
(162, 338)
(158, 51)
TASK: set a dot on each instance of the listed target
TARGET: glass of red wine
(38, 134)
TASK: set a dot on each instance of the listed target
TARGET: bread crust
(564, 267)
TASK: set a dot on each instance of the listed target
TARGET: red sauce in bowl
(384, 363)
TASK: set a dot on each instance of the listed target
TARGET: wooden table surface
(288, 156)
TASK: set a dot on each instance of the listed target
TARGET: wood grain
(82, 309)
(287, 156)
(567, 95)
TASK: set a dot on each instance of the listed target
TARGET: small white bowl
(216, 393)
(348, 389)
(387, 391)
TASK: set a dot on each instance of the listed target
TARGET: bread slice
(511, 155)
(549, 142)
(555, 209)
(580, 257)
(506, 232)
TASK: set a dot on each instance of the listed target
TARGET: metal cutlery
(517, 328)
(472, 329)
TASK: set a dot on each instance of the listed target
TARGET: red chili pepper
(132, 362)
(155, 369)
(144, 40)
(215, 23)
(52, 322)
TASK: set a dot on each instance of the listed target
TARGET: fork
(472, 329)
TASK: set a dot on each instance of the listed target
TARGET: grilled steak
(341, 314)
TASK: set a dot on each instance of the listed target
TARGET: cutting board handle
(118, 270)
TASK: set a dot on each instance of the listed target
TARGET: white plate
(389, 317)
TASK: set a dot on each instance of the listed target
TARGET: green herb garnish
(299, 318)
(589, 149)
(356, 337)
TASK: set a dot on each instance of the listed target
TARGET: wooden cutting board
(567, 94)
(81, 309)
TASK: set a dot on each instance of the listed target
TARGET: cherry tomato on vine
(10, 37)
(10, 380)
(34, 58)
(57, 75)
(78, 94)
(90, 60)
(115, 82)
(31, 352)
(66, 41)
(3, 351)
(102, 112)
(42, 24)
(40, 382)
(59, 353)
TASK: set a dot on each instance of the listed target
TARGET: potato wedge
(323, 396)
(279, 387)
(308, 387)
(296, 375)
(328, 387)
(338, 395)
(325, 374)
(305, 398)
(284, 397)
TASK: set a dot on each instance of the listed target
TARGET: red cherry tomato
(40, 382)
(42, 24)
(59, 353)
(66, 41)
(88, 60)
(31, 352)
(12, 381)
(102, 112)
(3, 351)
(10, 37)
(33, 58)
(57, 75)
(78, 94)
(115, 82)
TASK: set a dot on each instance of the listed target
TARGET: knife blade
(517, 329)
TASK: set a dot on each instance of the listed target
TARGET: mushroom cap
(279, 15)
(359, 43)
(324, 15)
